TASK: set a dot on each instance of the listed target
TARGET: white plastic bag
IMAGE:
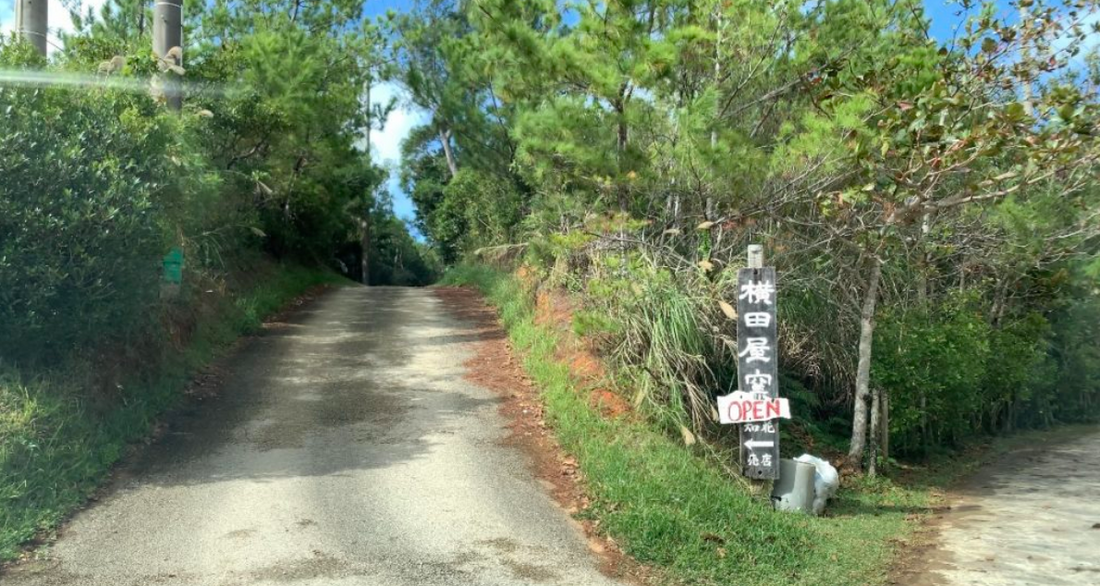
(826, 481)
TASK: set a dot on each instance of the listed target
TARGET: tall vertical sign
(758, 368)
(756, 406)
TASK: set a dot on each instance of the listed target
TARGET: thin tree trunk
(876, 422)
(445, 138)
(885, 426)
(863, 369)
(925, 439)
(717, 71)
(1025, 18)
(364, 243)
(926, 260)
(623, 134)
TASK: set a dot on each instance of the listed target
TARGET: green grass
(672, 508)
(60, 435)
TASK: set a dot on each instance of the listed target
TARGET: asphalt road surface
(1033, 518)
(345, 448)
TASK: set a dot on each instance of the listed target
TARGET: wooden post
(758, 362)
(168, 35)
(31, 22)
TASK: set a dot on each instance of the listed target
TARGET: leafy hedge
(81, 229)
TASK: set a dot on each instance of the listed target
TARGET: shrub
(80, 230)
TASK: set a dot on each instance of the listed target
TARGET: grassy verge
(672, 508)
(61, 431)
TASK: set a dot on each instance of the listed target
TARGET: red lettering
(773, 410)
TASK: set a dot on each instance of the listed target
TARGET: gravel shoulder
(346, 447)
(1032, 517)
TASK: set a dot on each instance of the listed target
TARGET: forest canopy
(931, 205)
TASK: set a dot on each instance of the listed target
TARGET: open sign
(742, 407)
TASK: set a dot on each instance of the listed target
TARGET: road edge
(496, 366)
(200, 388)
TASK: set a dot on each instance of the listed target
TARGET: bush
(80, 213)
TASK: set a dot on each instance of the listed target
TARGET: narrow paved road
(1033, 518)
(345, 449)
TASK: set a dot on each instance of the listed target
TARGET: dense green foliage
(83, 189)
(100, 181)
(945, 195)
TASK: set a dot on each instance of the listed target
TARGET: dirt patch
(555, 310)
(1021, 518)
(494, 366)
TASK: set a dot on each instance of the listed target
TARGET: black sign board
(758, 368)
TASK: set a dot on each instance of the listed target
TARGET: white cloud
(386, 143)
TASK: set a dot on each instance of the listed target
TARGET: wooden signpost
(756, 406)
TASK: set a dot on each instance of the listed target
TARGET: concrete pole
(794, 491)
(31, 22)
(168, 35)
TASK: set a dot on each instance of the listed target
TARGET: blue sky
(385, 144)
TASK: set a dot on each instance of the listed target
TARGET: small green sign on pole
(173, 266)
(172, 273)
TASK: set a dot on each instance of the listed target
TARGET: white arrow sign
(753, 444)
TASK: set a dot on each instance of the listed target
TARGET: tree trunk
(925, 439)
(445, 139)
(885, 426)
(717, 71)
(863, 369)
(364, 243)
(876, 423)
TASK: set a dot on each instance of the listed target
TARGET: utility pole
(364, 221)
(168, 46)
(31, 22)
